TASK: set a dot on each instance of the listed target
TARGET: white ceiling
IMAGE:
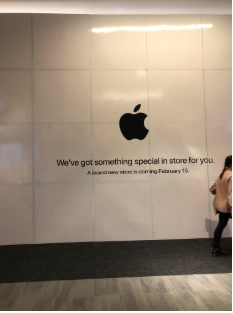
(118, 6)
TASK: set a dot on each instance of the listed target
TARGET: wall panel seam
(33, 136)
(148, 103)
(92, 137)
(206, 125)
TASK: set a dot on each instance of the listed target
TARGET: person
(223, 204)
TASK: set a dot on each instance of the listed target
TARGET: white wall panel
(61, 141)
(62, 96)
(16, 41)
(15, 97)
(218, 95)
(16, 154)
(61, 42)
(176, 95)
(113, 49)
(183, 212)
(116, 92)
(179, 141)
(172, 48)
(63, 213)
(123, 211)
(16, 220)
(217, 42)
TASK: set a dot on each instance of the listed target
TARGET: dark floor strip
(45, 262)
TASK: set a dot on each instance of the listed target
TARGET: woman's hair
(228, 162)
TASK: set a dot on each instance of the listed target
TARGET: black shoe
(217, 251)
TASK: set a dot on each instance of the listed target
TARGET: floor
(97, 260)
(205, 292)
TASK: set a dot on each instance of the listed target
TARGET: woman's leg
(223, 219)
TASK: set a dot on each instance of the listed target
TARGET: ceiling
(118, 6)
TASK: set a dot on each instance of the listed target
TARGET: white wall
(117, 6)
(63, 90)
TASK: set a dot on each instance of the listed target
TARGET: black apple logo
(132, 125)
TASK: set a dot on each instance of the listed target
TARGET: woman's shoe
(217, 251)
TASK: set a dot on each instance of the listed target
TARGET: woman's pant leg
(223, 219)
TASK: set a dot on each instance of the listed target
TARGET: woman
(223, 204)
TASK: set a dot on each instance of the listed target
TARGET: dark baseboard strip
(70, 261)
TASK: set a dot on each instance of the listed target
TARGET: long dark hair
(228, 162)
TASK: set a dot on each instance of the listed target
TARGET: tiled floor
(173, 293)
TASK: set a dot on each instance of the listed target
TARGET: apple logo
(132, 125)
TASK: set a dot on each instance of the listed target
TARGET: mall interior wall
(67, 172)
